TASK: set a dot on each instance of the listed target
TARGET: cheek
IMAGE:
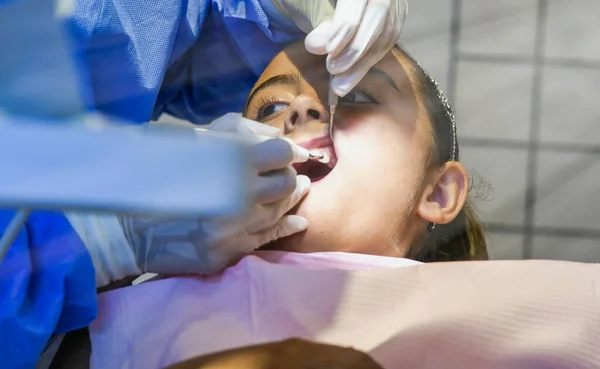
(374, 189)
(363, 204)
(382, 158)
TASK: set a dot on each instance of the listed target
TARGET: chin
(311, 240)
(325, 180)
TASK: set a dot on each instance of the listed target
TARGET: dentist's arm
(123, 246)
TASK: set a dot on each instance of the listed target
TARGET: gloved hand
(356, 35)
(128, 245)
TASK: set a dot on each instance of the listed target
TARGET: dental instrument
(333, 101)
(311, 155)
(86, 171)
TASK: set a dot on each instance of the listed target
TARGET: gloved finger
(271, 155)
(235, 123)
(316, 41)
(275, 186)
(367, 34)
(228, 253)
(286, 226)
(276, 154)
(347, 18)
(345, 82)
(300, 153)
(267, 215)
(258, 217)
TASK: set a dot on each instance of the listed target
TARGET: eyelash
(363, 91)
(267, 101)
(264, 102)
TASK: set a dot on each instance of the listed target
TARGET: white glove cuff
(105, 240)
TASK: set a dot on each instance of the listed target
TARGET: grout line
(517, 144)
(534, 131)
(496, 58)
(571, 63)
(454, 52)
(583, 233)
(525, 60)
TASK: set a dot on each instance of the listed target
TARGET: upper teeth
(325, 157)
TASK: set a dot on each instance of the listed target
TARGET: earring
(431, 227)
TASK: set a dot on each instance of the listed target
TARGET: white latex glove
(355, 35)
(124, 246)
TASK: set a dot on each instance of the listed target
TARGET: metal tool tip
(331, 118)
(315, 156)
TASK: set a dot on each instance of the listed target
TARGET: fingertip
(341, 85)
(297, 222)
(303, 182)
(316, 41)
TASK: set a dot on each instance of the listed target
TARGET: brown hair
(463, 238)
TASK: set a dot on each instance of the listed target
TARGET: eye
(270, 109)
(359, 97)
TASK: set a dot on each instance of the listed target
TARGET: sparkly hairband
(449, 115)
(447, 111)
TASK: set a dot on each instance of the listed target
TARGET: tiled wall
(524, 76)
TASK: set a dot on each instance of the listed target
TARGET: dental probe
(333, 101)
(311, 156)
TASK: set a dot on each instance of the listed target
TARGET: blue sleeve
(196, 60)
(47, 286)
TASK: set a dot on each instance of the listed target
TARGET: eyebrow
(282, 79)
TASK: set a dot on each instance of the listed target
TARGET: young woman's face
(379, 153)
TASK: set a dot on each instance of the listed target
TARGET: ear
(445, 194)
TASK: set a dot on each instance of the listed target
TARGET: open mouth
(317, 169)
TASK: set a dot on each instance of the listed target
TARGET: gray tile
(571, 249)
(570, 111)
(573, 29)
(426, 36)
(503, 246)
(503, 170)
(494, 100)
(568, 191)
(498, 27)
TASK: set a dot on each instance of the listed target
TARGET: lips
(318, 169)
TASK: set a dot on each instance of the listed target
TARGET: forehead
(295, 59)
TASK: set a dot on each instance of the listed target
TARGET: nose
(305, 109)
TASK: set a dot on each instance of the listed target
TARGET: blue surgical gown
(193, 59)
(47, 285)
